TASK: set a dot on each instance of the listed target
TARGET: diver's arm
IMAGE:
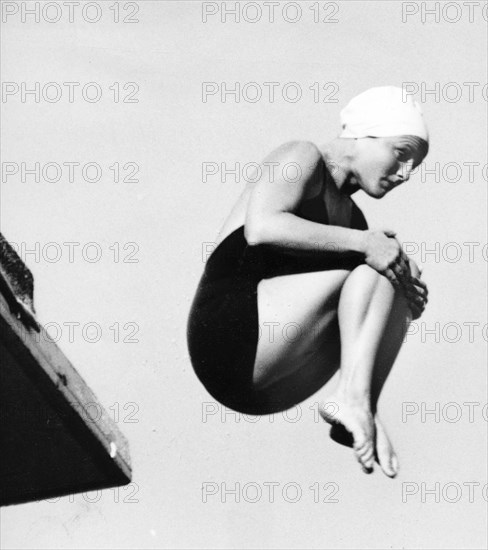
(270, 217)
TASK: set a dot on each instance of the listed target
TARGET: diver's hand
(416, 293)
(384, 254)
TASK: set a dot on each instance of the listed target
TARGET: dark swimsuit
(222, 329)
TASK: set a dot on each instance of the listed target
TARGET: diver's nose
(404, 170)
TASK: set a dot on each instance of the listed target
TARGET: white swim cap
(383, 112)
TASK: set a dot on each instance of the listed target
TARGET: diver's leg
(389, 347)
(364, 309)
(298, 331)
(373, 319)
(393, 338)
(299, 347)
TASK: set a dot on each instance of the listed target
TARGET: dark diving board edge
(55, 437)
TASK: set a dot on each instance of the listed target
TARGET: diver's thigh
(294, 312)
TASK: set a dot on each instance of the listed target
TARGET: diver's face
(382, 163)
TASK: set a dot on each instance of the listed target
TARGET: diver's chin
(376, 193)
(374, 189)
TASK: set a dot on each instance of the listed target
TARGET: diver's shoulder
(301, 146)
(304, 153)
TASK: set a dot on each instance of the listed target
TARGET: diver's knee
(363, 274)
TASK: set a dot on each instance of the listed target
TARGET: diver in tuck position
(297, 252)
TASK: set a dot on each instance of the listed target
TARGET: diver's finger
(390, 275)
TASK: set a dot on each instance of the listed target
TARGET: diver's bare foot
(358, 421)
(385, 453)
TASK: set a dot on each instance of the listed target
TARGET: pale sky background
(170, 212)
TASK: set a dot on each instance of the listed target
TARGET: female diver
(298, 286)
